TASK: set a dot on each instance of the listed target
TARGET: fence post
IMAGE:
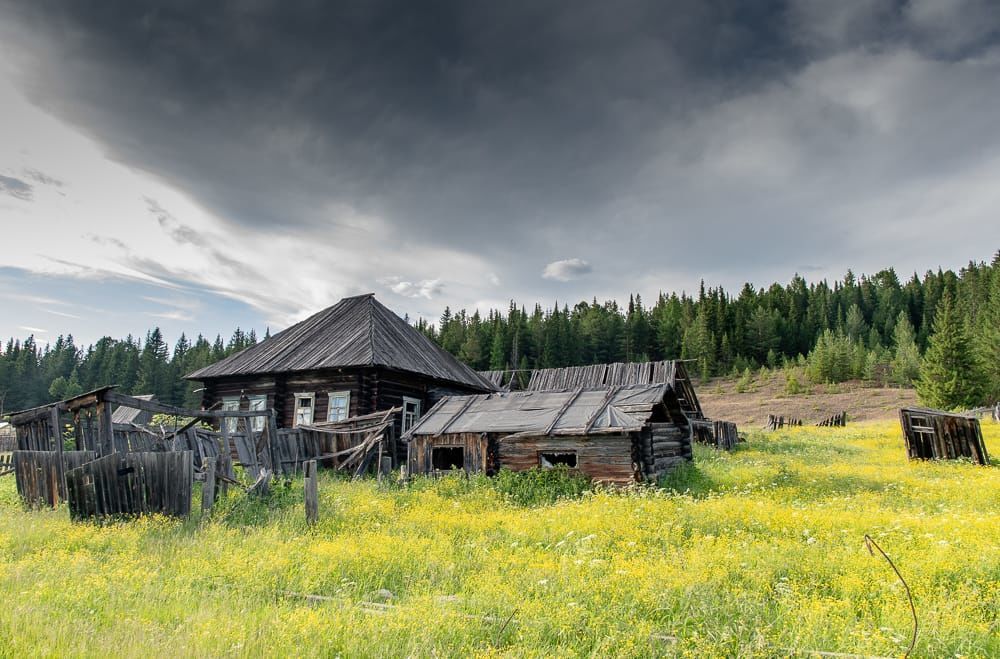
(208, 487)
(384, 467)
(311, 491)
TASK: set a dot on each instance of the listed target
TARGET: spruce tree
(949, 376)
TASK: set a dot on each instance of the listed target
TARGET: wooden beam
(562, 410)
(160, 408)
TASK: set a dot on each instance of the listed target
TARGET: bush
(745, 383)
(540, 486)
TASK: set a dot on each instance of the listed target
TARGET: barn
(354, 358)
(617, 434)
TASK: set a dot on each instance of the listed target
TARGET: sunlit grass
(745, 554)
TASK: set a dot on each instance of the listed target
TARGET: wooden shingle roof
(357, 331)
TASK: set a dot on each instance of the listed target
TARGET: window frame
(346, 394)
(230, 422)
(543, 463)
(305, 395)
(416, 413)
(256, 422)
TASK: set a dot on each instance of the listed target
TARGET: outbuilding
(616, 434)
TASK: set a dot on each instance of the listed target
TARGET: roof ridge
(371, 328)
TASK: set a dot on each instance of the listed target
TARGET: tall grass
(743, 554)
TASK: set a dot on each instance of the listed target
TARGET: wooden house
(352, 359)
(612, 434)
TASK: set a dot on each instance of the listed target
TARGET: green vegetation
(758, 552)
(872, 328)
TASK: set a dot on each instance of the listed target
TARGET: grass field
(755, 553)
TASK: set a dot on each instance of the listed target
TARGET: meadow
(759, 552)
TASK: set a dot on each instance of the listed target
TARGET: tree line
(32, 375)
(869, 327)
(940, 332)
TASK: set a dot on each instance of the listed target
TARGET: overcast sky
(205, 165)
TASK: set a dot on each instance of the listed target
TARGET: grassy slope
(765, 551)
(721, 400)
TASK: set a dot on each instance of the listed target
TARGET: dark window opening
(550, 460)
(448, 457)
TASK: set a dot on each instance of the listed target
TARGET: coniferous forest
(939, 332)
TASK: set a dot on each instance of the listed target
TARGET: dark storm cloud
(633, 132)
(16, 188)
(464, 115)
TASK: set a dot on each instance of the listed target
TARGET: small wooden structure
(932, 434)
(612, 434)
(723, 435)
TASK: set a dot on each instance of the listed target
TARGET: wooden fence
(775, 422)
(132, 484)
(835, 421)
(41, 475)
(932, 434)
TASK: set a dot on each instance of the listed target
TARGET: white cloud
(37, 330)
(427, 289)
(566, 270)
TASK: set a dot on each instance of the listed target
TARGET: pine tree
(949, 376)
(905, 365)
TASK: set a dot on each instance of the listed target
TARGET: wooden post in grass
(384, 467)
(311, 491)
(208, 487)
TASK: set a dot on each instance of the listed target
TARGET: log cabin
(354, 358)
(617, 434)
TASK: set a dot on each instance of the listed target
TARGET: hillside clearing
(761, 550)
(721, 400)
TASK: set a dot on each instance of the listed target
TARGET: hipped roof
(357, 331)
(566, 412)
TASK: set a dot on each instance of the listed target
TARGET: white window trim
(257, 422)
(227, 402)
(295, 410)
(416, 418)
(329, 403)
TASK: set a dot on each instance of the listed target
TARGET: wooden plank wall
(939, 436)
(475, 445)
(607, 457)
(132, 484)
(41, 475)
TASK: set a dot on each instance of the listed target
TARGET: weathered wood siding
(372, 389)
(930, 434)
(607, 458)
(475, 445)
(663, 446)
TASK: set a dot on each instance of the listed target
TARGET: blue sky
(49, 305)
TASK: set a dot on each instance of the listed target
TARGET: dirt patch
(720, 400)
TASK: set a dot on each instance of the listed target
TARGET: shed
(612, 434)
(933, 434)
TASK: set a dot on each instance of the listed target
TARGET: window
(304, 404)
(411, 412)
(340, 406)
(550, 460)
(230, 404)
(448, 457)
(258, 402)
